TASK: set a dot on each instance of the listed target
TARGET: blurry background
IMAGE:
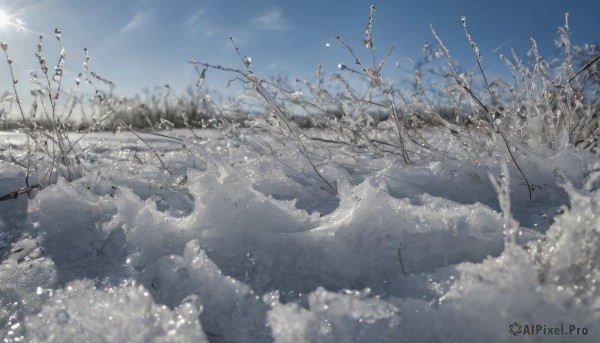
(142, 44)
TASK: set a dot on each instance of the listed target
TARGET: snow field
(244, 244)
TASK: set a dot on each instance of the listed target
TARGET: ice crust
(245, 245)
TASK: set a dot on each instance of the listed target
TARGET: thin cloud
(272, 19)
(211, 33)
(195, 17)
(133, 23)
(272, 66)
(199, 23)
(503, 45)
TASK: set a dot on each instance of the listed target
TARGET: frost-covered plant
(48, 134)
(556, 104)
(492, 122)
(502, 186)
(376, 80)
(145, 111)
(48, 125)
(110, 112)
(544, 103)
(569, 255)
(279, 112)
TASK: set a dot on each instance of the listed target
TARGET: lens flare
(5, 19)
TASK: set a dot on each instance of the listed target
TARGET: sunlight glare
(5, 20)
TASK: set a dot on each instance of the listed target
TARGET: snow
(243, 242)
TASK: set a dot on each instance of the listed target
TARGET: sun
(5, 19)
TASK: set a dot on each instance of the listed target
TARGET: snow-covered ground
(245, 243)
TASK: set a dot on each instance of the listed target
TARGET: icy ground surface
(245, 243)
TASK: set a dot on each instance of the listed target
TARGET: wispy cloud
(503, 45)
(133, 23)
(210, 33)
(199, 23)
(272, 19)
(195, 17)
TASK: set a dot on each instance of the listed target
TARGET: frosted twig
(478, 58)
(280, 113)
(502, 187)
(399, 254)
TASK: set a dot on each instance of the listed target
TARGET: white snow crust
(245, 243)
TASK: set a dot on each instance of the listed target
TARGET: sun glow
(8, 19)
(5, 20)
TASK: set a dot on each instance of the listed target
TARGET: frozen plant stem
(368, 40)
(279, 112)
(478, 58)
(128, 127)
(111, 110)
(9, 61)
(529, 188)
(399, 254)
(502, 186)
(14, 82)
(374, 75)
(256, 82)
(469, 91)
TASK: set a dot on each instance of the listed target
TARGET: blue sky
(142, 43)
